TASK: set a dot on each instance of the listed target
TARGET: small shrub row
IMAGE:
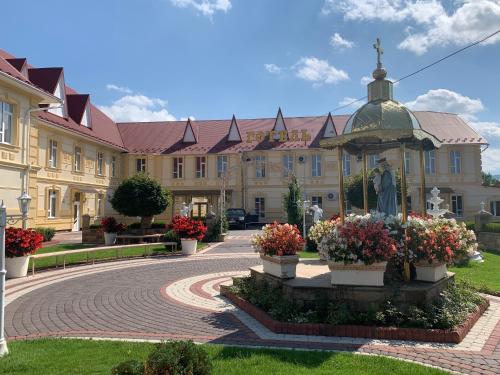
(491, 227)
(95, 226)
(449, 310)
(47, 232)
(154, 225)
(169, 358)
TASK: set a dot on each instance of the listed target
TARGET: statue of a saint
(317, 213)
(385, 186)
(186, 209)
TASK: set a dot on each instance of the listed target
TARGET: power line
(425, 67)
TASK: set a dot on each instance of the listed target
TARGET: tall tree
(292, 202)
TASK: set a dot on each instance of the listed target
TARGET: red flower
(188, 228)
(20, 242)
(110, 225)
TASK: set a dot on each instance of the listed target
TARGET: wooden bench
(140, 238)
(87, 251)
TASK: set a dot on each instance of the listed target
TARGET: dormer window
(60, 94)
(86, 119)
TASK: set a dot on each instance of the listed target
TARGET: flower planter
(222, 237)
(109, 238)
(432, 272)
(188, 246)
(17, 266)
(283, 267)
(357, 273)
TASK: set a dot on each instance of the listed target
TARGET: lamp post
(24, 204)
(305, 204)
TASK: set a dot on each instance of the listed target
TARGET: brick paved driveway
(160, 299)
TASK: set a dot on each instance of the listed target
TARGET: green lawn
(135, 251)
(485, 276)
(309, 254)
(60, 356)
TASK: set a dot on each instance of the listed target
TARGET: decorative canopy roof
(382, 123)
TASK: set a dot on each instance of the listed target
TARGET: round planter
(431, 272)
(17, 266)
(357, 273)
(284, 267)
(188, 246)
(109, 238)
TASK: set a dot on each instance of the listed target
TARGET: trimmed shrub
(158, 225)
(178, 358)
(95, 226)
(131, 367)
(135, 225)
(47, 232)
(171, 236)
(491, 227)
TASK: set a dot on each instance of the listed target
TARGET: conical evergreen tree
(292, 202)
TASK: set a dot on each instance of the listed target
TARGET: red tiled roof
(9, 69)
(166, 137)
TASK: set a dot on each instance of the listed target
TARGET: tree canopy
(141, 196)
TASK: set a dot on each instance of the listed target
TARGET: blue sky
(166, 59)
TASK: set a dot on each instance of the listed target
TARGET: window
(373, 160)
(100, 163)
(260, 166)
(495, 208)
(347, 164)
(52, 204)
(316, 165)
(52, 154)
(6, 110)
(430, 162)
(201, 167)
(407, 162)
(78, 158)
(140, 165)
(455, 162)
(221, 165)
(287, 165)
(178, 168)
(457, 205)
(100, 205)
(113, 166)
(318, 201)
(260, 207)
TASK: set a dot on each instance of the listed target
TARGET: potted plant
(111, 227)
(190, 232)
(318, 231)
(358, 251)
(278, 245)
(19, 244)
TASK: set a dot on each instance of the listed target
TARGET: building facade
(71, 157)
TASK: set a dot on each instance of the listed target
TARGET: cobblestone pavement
(177, 297)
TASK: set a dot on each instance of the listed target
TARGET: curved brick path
(177, 297)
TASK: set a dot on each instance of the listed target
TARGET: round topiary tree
(141, 196)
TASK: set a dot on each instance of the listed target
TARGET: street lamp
(24, 205)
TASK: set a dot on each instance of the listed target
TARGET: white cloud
(138, 108)
(122, 89)
(272, 68)
(351, 103)
(469, 20)
(336, 40)
(491, 160)
(318, 71)
(443, 100)
(365, 80)
(204, 7)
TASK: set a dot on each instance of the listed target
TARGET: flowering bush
(188, 228)
(319, 230)
(20, 242)
(278, 239)
(110, 225)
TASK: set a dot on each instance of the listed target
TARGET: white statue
(317, 213)
(186, 209)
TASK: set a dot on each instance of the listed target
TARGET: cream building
(75, 156)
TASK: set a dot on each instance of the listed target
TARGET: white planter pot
(109, 238)
(283, 267)
(357, 273)
(188, 246)
(432, 272)
(17, 266)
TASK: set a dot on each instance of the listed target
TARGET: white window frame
(459, 212)
(77, 156)
(99, 205)
(495, 208)
(373, 160)
(53, 153)
(430, 162)
(317, 200)
(288, 165)
(346, 164)
(316, 165)
(140, 165)
(455, 162)
(52, 204)
(100, 164)
(178, 167)
(113, 166)
(6, 119)
(260, 166)
(201, 167)
(222, 165)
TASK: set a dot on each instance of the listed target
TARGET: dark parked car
(236, 217)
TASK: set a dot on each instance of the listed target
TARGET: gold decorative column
(365, 183)
(341, 184)
(423, 206)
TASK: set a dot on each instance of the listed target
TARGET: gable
(234, 132)
(329, 127)
(189, 136)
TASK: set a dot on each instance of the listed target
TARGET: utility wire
(426, 67)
